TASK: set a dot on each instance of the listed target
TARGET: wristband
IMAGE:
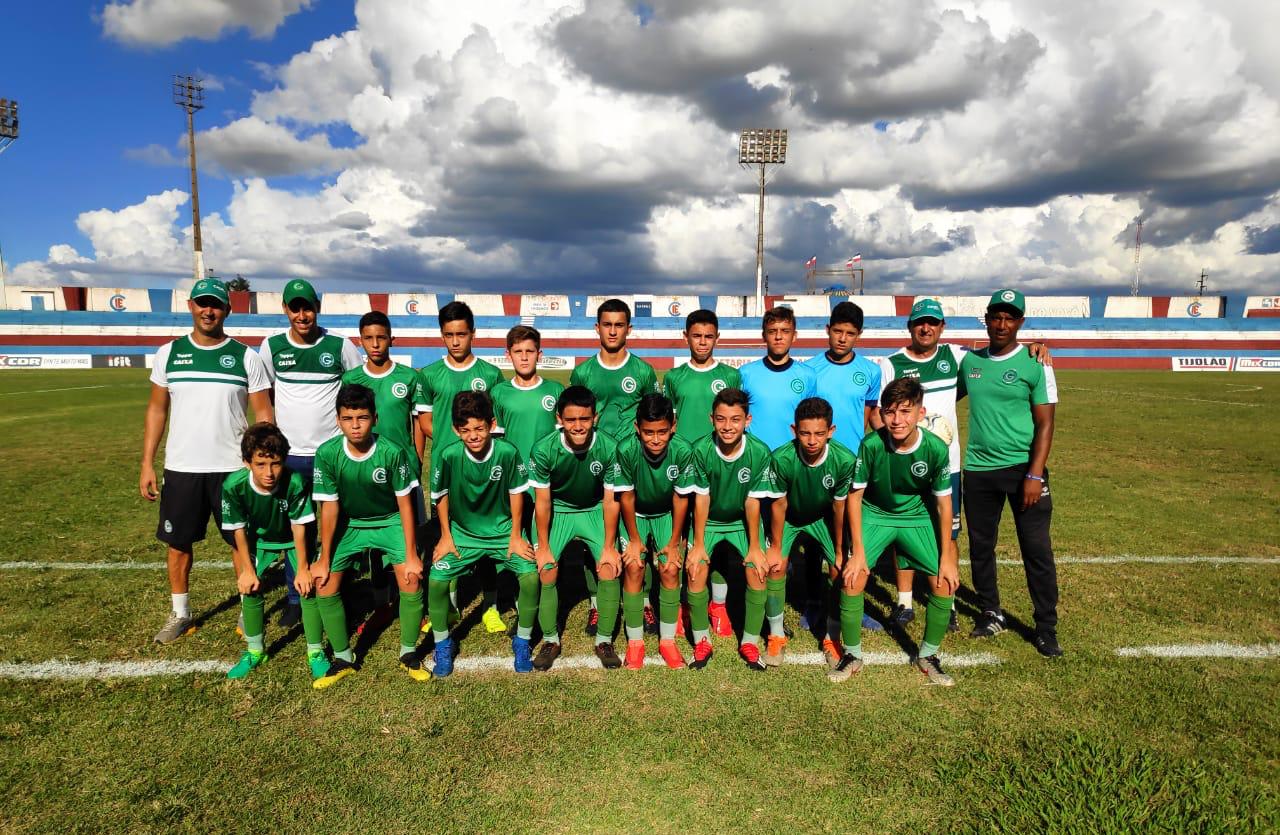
(1030, 477)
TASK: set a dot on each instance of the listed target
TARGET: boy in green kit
(267, 508)
(362, 484)
(479, 488)
(691, 387)
(901, 472)
(524, 407)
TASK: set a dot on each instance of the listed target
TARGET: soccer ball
(940, 426)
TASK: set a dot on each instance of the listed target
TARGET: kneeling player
(267, 506)
(479, 486)
(811, 478)
(363, 486)
(900, 469)
(571, 472)
(651, 482)
(730, 476)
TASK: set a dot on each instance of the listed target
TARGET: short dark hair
(902, 390)
(265, 438)
(457, 311)
(613, 306)
(702, 316)
(375, 317)
(355, 396)
(654, 406)
(846, 313)
(472, 404)
(522, 333)
(814, 408)
(576, 396)
(779, 314)
(732, 397)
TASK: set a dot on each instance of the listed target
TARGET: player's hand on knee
(412, 569)
(247, 582)
(302, 581)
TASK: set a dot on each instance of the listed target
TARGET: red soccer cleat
(751, 654)
(671, 654)
(635, 655)
(702, 653)
(720, 624)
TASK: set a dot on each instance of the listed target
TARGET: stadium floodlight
(8, 123)
(762, 147)
(188, 93)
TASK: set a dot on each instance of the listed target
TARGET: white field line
(66, 670)
(494, 663)
(46, 391)
(1214, 650)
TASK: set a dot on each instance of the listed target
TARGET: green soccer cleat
(248, 661)
(338, 670)
(318, 664)
(492, 620)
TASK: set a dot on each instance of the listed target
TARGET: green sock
(775, 597)
(453, 593)
(609, 592)
(334, 617)
(669, 611)
(753, 617)
(312, 625)
(935, 624)
(438, 606)
(410, 620)
(699, 620)
(633, 614)
(850, 620)
(549, 611)
(527, 604)
(251, 608)
(589, 577)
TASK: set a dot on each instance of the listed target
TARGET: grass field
(1144, 465)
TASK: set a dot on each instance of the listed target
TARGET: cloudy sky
(561, 145)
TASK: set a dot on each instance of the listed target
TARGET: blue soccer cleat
(523, 655)
(443, 658)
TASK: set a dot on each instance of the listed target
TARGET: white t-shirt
(307, 379)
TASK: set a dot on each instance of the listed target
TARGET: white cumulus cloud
(165, 22)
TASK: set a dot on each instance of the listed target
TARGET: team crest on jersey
(399, 389)
(380, 475)
(1010, 376)
(495, 472)
(717, 386)
(828, 481)
(629, 384)
(944, 366)
(744, 475)
(168, 526)
(920, 468)
(227, 361)
(859, 379)
(327, 360)
(478, 385)
(596, 468)
(797, 385)
(549, 403)
(673, 472)
(284, 505)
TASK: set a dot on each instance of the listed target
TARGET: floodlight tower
(188, 93)
(8, 123)
(762, 147)
(1137, 260)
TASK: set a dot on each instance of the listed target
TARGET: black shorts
(186, 502)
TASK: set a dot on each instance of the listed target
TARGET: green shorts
(655, 533)
(727, 536)
(469, 550)
(353, 542)
(813, 536)
(266, 553)
(916, 544)
(586, 526)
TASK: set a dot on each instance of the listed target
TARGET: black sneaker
(902, 615)
(953, 623)
(608, 656)
(593, 622)
(650, 621)
(1046, 644)
(547, 655)
(290, 616)
(988, 625)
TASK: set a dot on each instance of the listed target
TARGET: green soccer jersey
(440, 382)
(654, 482)
(938, 376)
(267, 518)
(526, 415)
(479, 489)
(617, 389)
(396, 395)
(896, 481)
(811, 488)
(365, 488)
(692, 390)
(577, 480)
(733, 479)
(1001, 392)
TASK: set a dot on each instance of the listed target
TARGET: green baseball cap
(212, 287)
(300, 289)
(926, 309)
(1008, 298)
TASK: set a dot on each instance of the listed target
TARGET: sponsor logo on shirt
(629, 384)
(911, 372)
(1010, 376)
(549, 403)
(596, 468)
(944, 366)
(399, 389)
(797, 385)
(478, 385)
(495, 472)
(227, 361)
(744, 475)
(828, 481)
(920, 468)
(717, 386)
(226, 507)
(673, 472)
(975, 374)
(859, 379)
(380, 475)
(327, 360)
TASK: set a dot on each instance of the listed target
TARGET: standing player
(267, 508)
(901, 470)
(776, 383)
(200, 384)
(653, 470)
(571, 472)
(524, 407)
(1011, 408)
(691, 387)
(479, 488)
(730, 476)
(306, 363)
(457, 371)
(363, 486)
(811, 477)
